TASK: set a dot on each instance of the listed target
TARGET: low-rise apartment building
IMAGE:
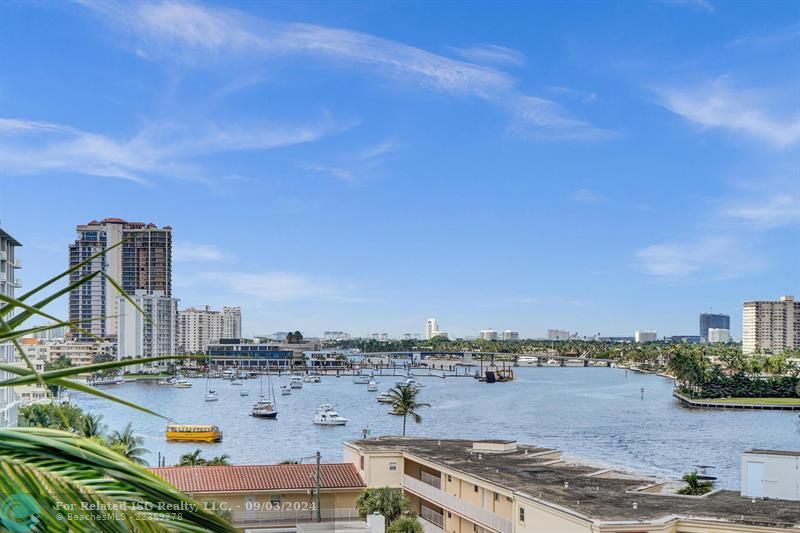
(495, 486)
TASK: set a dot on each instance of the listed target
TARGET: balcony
(432, 516)
(484, 518)
(430, 479)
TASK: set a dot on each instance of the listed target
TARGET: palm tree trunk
(404, 424)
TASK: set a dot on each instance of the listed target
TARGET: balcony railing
(432, 516)
(472, 512)
(430, 479)
(252, 518)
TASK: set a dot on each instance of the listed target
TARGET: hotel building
(8, 355)
(496, 486)
(645, 336)
(771, 326)
(142, 263)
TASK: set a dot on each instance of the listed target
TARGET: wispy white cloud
(772, 211)
(587, 196)
(582, 96)
(339, 173)
(272, 286)
(376, 150)
(190, 251)
(198, 34)
(756, 113)
(32, 147)
(712, 257)
(491, 54)
(699, 5)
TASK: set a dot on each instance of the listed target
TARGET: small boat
(212, 396)
(385, 397)
(702, 473)
(264, 409)
(236, 382)
(193, 433)
(244, 392)
(285, 390)
(182, 384)
(361, 380)
(296, 382)
(327, 416)
(312, 378)
(372, 386)
(410, 382)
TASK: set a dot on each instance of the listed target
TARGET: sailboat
(211, 395)
(264, 407)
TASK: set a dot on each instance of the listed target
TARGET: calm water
(592, 413)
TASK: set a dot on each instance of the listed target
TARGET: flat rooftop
(598, 494)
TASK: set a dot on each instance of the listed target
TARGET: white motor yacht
(182, 384)
(296, 382)
(212, 396)
(385, 397)
(327, 416)
(285, 390)
(312, 378)
(361, 380)
(372, 386)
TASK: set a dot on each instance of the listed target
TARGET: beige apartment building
(495, 486)
(771, 326)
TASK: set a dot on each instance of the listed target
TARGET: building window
(496, 497)
(449, 515)
(361, 462)
(275, 500)
(521, 514)
(449, 479)
(392, 466)
(475, 487)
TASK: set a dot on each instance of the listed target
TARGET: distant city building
(557, 335)
(719, 335)
(709, 320)
(690, 339)
(408, 336)
(508, 335)
(431, 328)
(197, 328)
(488, 334)
(335, 336)
(384, 336)
(645, 336)
(51, 334)
(374, 336)
(231, 323)
(771, 326)
(616, 339)
(142, 263)
(8, 354)
(152, 334)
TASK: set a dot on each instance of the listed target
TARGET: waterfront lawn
(753, 401)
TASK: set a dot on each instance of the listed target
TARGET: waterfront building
(557, 335)
(9, 264)
(719, 335)
(271, 496)
(645, 336)
(234, 353)
(771, 326)
(197, 328)
(499, 486)
(142, 263)
(431, 328)
(508, 335)
(488, 334)
(152, 334)
(711, 320)
(231, 323)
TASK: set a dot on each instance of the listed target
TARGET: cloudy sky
(597, 167)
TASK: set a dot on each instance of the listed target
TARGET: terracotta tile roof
(239, 478)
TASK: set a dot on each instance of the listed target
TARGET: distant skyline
(361, 167)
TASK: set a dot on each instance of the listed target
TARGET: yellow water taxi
(193, 433)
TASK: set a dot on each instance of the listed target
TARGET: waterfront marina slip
(596, 413)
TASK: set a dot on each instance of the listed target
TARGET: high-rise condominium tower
(197, 328)
(431, 328)
(710, 320)
(8, 354)
(231, 323)
(771, 326)
(142, 263)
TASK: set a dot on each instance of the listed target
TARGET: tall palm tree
(92, 426)
(128, 444)
(404, 403)
(192, 459)
(389, 502)
(220, 460)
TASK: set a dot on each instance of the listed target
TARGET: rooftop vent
(494, 445)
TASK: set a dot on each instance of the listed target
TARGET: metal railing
(430, 479)
(470, 511)
(291, 516)
(432, 516)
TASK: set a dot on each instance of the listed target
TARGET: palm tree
(92, 426)
(391, 503)
(406, 524)
(694, 486)
(404, 403)
(192, 459)
(219, 460)
(127, 444)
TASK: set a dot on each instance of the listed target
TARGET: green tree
(220, 460)
(128, 444)
(404, 403)
(389, 502)
(92, 425)
(694, 486)
(405, 524)
(192, 459)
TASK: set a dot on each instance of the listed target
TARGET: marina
(595, 413)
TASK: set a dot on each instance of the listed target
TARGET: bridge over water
(465, 356)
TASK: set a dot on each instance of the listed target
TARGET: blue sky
(590, 166)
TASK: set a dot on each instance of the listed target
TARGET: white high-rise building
(431, 328)
(557, 335)
(488, 334)
(142, 337)
(645, 336)
(197, 328)
(231, 323)
(8, 354)
(508, 335)
(771, 326)
(719, 335)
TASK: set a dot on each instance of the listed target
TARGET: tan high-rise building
(197, 328)
(231, 323)
(771, 326)
(142, 263)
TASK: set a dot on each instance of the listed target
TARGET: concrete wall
(767, 475)
(377, 471)
(539, 519)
